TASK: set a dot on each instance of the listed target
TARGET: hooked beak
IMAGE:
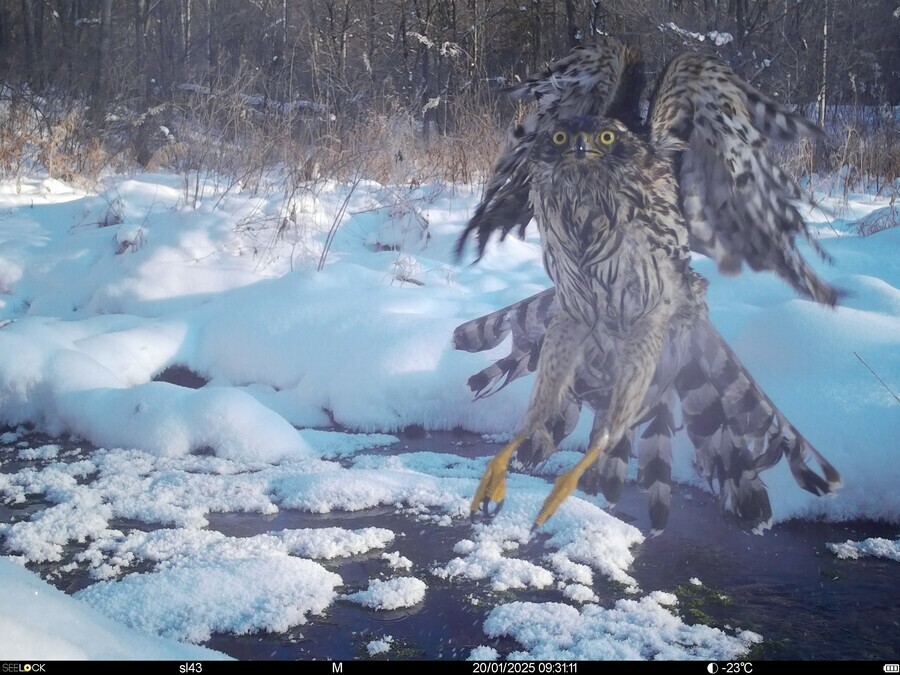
(582, 146)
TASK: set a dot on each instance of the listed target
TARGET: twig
(335, 224)
(884, 384)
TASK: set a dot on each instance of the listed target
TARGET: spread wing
(738, 205)
(737, 202)
(602, 79)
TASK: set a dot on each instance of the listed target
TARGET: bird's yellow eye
(606, 137)
(560, 137)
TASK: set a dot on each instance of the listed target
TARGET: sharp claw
(485, 510)
(567, 482)
(492, 487)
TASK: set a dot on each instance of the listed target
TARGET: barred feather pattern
(735, 429)
(527, 321)
(617, 251)
(737, 202)
(618, 209)
(590, 81)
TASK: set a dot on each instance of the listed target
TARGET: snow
(582, 536)
(39, 622)
(642, 629)
(191, 600)
(715, 37)
(305, 382)
(877, 547)
(397, 561)
(580, 593)
(44, 452)
(381, 646)
(172, 546)
(483, 653)
(390, 594)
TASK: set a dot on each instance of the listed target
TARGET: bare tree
(101, 80)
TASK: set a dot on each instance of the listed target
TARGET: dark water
(785, 585)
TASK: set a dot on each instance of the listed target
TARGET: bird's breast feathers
(608, 248)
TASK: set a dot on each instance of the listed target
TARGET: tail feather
(736, 430)
(527, 320)
(655, 461)
(480, 334)
(607, 475)
(798, 453)
(500, 373)
(742, 493)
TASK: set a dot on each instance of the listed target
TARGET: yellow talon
(566, 483)
(492, 487)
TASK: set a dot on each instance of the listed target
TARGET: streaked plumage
(699, 386)
(626, 329)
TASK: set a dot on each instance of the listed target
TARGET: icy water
(786, 586)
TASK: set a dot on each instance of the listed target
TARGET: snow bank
(102, 294)
(192, 600)
(41, 623)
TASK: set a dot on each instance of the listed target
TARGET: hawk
(619, 205)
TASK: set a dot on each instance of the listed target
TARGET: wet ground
(785, 585)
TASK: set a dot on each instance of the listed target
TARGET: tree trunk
(819, 152)
(574, 34)
(4, 29)
(31, 54)
(140, 49)
(536, 35)
(740, 21)
(822, 84)
(212, 39)
(101, 80)
(186, 27)
(65, 61)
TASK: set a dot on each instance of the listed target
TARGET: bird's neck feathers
(581, 180)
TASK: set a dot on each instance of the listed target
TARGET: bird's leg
(560, 355)
(634, 372)
(565, 484)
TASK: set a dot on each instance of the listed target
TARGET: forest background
(399, 91)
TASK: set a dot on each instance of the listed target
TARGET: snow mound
(641, 629)
(193, 600)
(390, 594)
(876, 547)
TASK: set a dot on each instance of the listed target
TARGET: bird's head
(581, 139)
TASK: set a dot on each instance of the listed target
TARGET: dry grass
(860, 149)
(54, 135)
(870, 156)
(878, 221)
(238, 139)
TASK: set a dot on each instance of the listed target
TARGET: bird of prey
(619, 205)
